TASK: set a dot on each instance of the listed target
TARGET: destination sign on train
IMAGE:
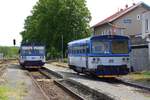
(30, 47)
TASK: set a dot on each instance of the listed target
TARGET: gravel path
(20, 85)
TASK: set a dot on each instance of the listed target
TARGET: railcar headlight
(93, 60)
(23, 57)
(127, 59)
(123, 59)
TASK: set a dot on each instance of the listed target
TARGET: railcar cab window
(32, 50)
(99, 46)
(39, 51)
(120, 46)
(26, 50)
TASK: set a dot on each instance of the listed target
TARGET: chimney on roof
(133, 4)
(121, 9)
(126, 6)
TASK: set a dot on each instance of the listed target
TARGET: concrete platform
(114, 90)
(63, 72)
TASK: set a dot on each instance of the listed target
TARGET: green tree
(51, 19)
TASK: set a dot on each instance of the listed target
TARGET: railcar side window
(87, 50)
(100, 46)
(79, 49)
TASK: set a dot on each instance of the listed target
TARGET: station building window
(138, 17)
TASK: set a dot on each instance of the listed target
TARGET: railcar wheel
(78, 73)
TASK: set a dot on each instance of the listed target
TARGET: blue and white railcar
(103, 56)
(32, 56)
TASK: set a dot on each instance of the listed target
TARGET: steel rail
(133, 84)
(35, 82)
(72, 93)
(67, 90)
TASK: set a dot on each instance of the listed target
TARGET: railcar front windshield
(32, 50)
(120, 46)
(99, 46)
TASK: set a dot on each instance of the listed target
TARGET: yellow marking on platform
(108, 76)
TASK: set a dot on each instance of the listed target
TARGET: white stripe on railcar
(81, 61)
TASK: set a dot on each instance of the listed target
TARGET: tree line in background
(9, 52)
(52, 19)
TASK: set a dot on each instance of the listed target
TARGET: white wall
(145, 24)
(146, 29)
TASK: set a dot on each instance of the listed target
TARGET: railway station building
(128, 21)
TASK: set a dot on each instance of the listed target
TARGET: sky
(14, 12)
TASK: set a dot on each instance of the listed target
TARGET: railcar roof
(80, 41)
(110, 37)
(85, 40)
(32, 45)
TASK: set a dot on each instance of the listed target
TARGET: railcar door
(87, 50)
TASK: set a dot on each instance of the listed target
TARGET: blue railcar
(32, 55)
(103, 55)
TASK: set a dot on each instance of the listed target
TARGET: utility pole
(62, 46)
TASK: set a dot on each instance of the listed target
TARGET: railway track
(2, 69)
(54, 87)
(50, 86)
(3, 66)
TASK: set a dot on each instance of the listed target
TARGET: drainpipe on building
(149, 50)
(148, 40)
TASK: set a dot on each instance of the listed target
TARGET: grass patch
(146, 73)
(140, 76)
(17, 93)
(65, 60)
(3, 92)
